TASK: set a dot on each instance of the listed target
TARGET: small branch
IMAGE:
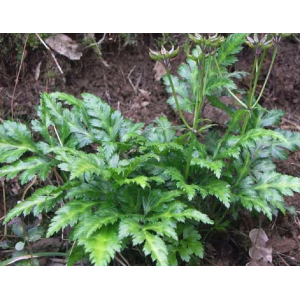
(267, 78)
(132, 85)
(23, 257)
(53, 56)
(5, 210)
(58, 136)
(292, 123)
(124, 259)
(228, 90)
(28, 187)
(17, 79)
(98, 43)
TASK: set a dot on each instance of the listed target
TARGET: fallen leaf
(260, 253)
(283, 244)
(159, 70)
(64, 45)
(144, 94)
(38, 71)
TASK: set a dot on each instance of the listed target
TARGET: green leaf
(15, 140)
(30, 167)
(215, 166)
(130, 227)
(219, 189)
(156, 247)
(189, 189)
(87, 226)
(228, 50)
(71, 100)
(272, 117)
(285, 184)
(187, 246)
(69, 214)
(162, 229)
(75, 254)
(102, 245)
(255, 135)
(216, 83)
(42, 200)
(214, 101)
(139, 180)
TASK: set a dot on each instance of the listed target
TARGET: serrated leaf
(219, 189)
(76, 255)
(42, 200)
(102, 245)
(189, 189)
(162, 229)
(156, 247)
(139, 180)
(87, 226)
(29, 167)
(232, 46)
(15, 140)
(272, 117)
(215, 166)
(69, 214)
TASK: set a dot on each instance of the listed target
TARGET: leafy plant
(120, 185)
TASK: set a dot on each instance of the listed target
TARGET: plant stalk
(176, 100)
(268, 75)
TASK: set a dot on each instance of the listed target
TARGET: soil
(128, 84)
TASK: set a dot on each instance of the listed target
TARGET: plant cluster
(162, 189)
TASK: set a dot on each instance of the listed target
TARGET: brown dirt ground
(113, 85)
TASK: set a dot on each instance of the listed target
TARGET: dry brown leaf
(159, 70)
(64, 45)
(260, 253)
(144, 94)
(283, 244)
(38, 71)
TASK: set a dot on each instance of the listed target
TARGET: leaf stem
(268, 75)
(35, 255)
(228, 90)
(198, 107)
(176, 100)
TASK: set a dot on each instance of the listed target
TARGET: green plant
(122, 186)
(11, 43)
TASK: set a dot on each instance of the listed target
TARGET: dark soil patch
(112, 85)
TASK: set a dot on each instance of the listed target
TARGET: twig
(128, 77)
(53, 56)
(124, 259)
(23, 223)
(58, 177)
(58, 136)
(28, 187)
(98, 43)
(5, 210)
(43, 254)
(292, 123)
(17, 79)
(284, 261)
(119, 261)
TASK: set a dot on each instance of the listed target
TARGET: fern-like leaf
(102, 245)
(15, 140)
(228, 50)
(29, 167)
(157, 248)
(42, 200)
(69, 214)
